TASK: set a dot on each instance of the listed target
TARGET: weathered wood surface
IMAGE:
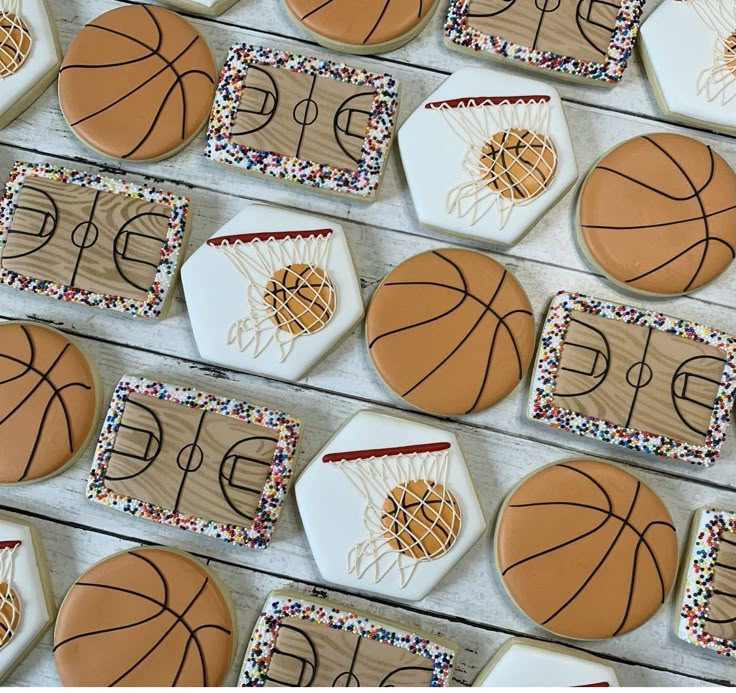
(501, 446)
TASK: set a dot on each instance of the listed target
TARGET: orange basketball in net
(658, 214)
(519, 164)
(9, 613)
(422, 519)
(301, 297)
(729, 52)
(15, 43)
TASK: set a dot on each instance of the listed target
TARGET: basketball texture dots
(451, 331)
(658, 214)
(148, 617)
(137, 83)
(586, 550)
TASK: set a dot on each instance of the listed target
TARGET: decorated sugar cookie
(706, 606)
(196, 461)
(657, 215)
(210, 8)
(407, 505)
(634, 378)
(285, 293)
(587, 39)
(137, 83)
(351, 27)
(450, 331)
(530, 663)
(695, 85)
(145, 617)
(299, 641)
(320, 124)
(603, 583)
(27, 606)
(501, 155)
(49, 402)
(29, 55)
(91, 239)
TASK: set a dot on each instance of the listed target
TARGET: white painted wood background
(501, 447)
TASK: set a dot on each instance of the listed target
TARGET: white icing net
(15, 40)
(409, 516)
(9, 602)
(718, 82)
(509, 158)
(288, 291)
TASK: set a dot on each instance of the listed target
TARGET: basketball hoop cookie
(363, 28)
(299, 641)
(450, 331)
(501, 155)
(272, 292)
(634, 378)
(29, 55)
(585, 549)
(91, 239)
(49, 402)
(695, 86)
(657, 215)
(145, 617)
(317, 123)
(408, 508)
(27, 606)
(195, 461)
(137, 83)
(530, 663)
(706, 616)
(588, 40)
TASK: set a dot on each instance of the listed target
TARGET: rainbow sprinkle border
(708, 526)
(362, 182)
(280, 605)
(548, 359)
(458, 31)
(171, 253)
(258, 535)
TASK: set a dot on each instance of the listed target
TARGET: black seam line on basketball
(192, 446)
(308, 101)
(319, 586)
(378, 21)
(606, 357)
(87, 224)
(677, 222)
(123, 231)
(149, 459)
(638, 386)
(696, 192)
(646, 186)
(674, 397)
(46, 216)
(314, 664)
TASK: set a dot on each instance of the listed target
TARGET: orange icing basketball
(15, 43)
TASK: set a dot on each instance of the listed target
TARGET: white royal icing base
(332, 509)
(679, 51)
(216, 297)
(523, 662)
(43, 58)
(432, 155)
(29, 586)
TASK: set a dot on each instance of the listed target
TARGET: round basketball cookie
(49, 402)
(362, 27)
(585, 549)
(145, 617)
(451, 331)
(137, 83)
(657, 215)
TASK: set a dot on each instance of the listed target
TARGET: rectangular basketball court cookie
(583, 39)
(91, 239)
(189, 459)
(304, 120)
(634, 378)
(302, 641)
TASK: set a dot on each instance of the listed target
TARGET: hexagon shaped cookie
(27, 605)
(272, 292)
(29, 55)
(688, 48)
(388, 506)
(487, 155)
